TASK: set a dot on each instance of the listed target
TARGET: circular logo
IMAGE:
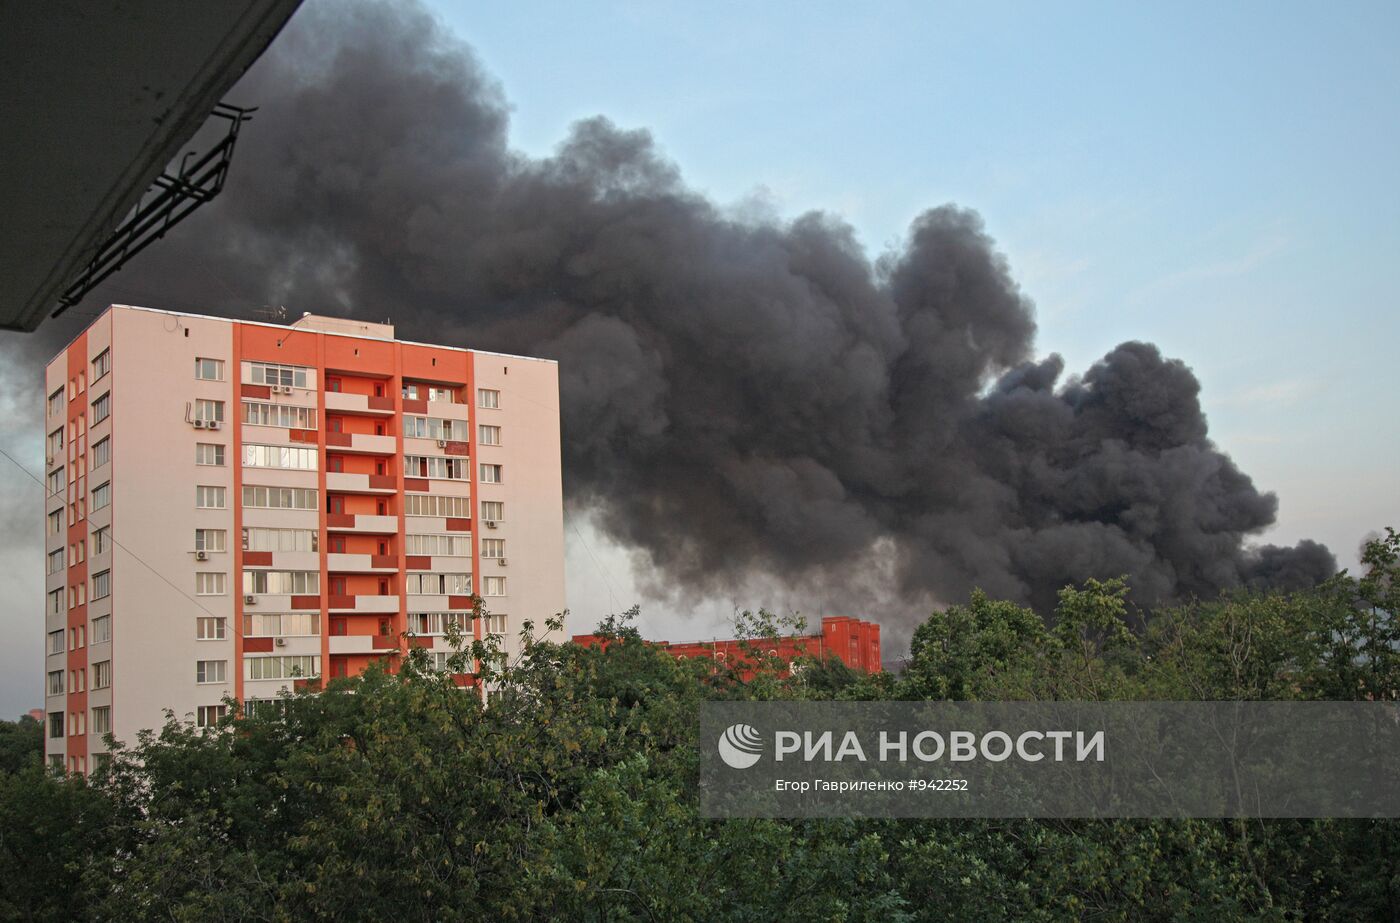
(740, 746)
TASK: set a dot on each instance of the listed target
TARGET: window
(435, 505)
(279, 456)
(102, 585)
(489, 435)
(257, 413)
(493, 548)
(279, 498)
(101, 408)
(280, 539)
(56, 728)
(56, 403)
(267, 373)
(209, 411)
(495, 624)
(102, 674)
(210, 629)
(102, 364)
(55, 522)
(206, 453)
(210, 671)
(282, 582)
(494, 586)
(57, 481)
(101, 496)
(77, 680)
(442, 395)
(493, 510)
(102, 629)
(435, 466)
(55, 561)
(102, 719)
(101, 452)
(207, 716)
(209, 583)
(56, 601)
(209, 369)
(210, 539)
(102, 540)
(438, 584)
(433, 428)
(55, 445)
(56, 641)
(434, 623)
(440, 661)
(210, 498)
(459, 544)
(488, 398)
(55, 682)
(490, 474)
(282, 667)
(276, 625)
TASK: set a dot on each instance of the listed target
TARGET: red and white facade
(236, 507)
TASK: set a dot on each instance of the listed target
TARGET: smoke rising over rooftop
(739, 396)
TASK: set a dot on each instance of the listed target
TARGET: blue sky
(1218, 179)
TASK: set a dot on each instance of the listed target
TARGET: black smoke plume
(740, 396)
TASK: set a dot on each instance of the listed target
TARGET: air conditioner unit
(201, 556)
(442, 443)
(503, 562)
(49, 461)
(490, 523)
(286, 389)
(214, 424)
(280, 642)
(249, 600)
(199, 424)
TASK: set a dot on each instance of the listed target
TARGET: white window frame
(210, 583)
(203, 364)
(210, 672)
(210, 497)
(488, 398)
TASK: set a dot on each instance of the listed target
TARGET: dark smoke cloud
(740, 397)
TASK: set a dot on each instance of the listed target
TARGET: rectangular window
(56, 601)
(55, 522)
(433, 428)
(56, 642)
(258, 413)
(494, 586)
(56, 730)
(102, 585)
(209, 411)
(493, 510)
(55, 445)
(101, 408)
(210, 498)
(490, 474)
(102, 629)
(458, 544)
(434, 623)
(436, 466)
(280, 539)
(282, 582)
(495, 624)
(56, 403)
(282, 667)
(267, 373)
(210, 671)
(207, 716)
(284, 624)
(488, 398)
(209, 369)
(55, 561)
(436, 505)
(208, 583)
(101, 452)
(210, 629)
(210, 539)
(55, 682)
(102, 540)
(489, 435)
(206, 453)
(279, 498)
(102, 674)
(58, 480)
(493, 548)
(102, 364)
(442, 395)
(101, 496)
(299, 458)
(438, 584)
(102, 719)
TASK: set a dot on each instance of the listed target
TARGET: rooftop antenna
(276, 314)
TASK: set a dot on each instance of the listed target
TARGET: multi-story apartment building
(233, 508)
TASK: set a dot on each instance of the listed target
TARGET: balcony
(340, 402)
(362, 563)
(378, 605)
(344, 482)
(363, 644)
(362, 523)
(362, 444)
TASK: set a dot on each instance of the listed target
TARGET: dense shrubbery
(573, 795)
